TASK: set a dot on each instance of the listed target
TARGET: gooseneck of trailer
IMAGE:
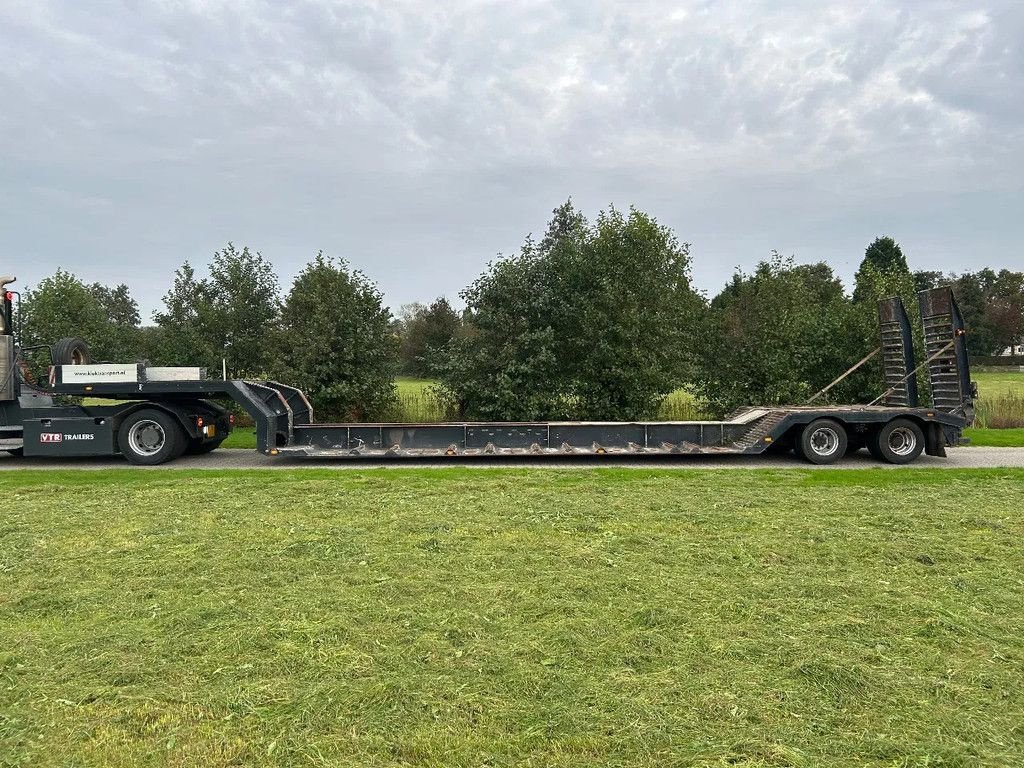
(158, 413)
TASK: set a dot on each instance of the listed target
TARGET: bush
(336, 343)
(594, 321)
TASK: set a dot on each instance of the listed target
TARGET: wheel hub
(902, 441)
(824, 441)
(147, 437)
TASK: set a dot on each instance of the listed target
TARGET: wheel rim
(147, 437)
(824, 441)
(902, 441)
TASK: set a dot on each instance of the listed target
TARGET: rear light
(9, 296)
(199, 421)
(231, 419)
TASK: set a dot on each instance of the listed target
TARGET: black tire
(151, 437)
(197, 448)
(823, 441)
(898, 442)
(70, 351)
(872, 446)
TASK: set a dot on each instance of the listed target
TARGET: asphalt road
(250, 459)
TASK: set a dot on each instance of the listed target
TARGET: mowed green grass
(994, 438)
(512, 617)
(992, 384)
(409, 385)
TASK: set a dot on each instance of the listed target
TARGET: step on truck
(150, 414)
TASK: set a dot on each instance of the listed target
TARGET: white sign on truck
(100, 373)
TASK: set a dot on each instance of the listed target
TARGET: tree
(183, 339)
(122, 338)
(927, 279)
(883, 268)
(777, 335)
(426, 333)
(1006, 310)
(336, 342)
(594, 321)
(228, 314)
(883, 257)
(62, 305)
(238, 307)
(993, 307)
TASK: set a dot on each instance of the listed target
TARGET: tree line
(595, 320)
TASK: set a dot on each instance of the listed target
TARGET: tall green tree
(336, 342)
(426, 332)
(62, 305)
(123, 336)
(883, 257)
(228, 314)
(777, 335)
(594, 321)
(238, 307)
(993, 307)
(181, 337)
(1006, 310)
(925, 279)
(883, 272)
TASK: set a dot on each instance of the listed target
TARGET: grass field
(499, 618)
(990, 384)
(1000, 399)
(994, 438)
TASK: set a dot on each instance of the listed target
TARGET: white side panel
(174, 374)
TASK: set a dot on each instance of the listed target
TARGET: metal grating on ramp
(897, 354)
(946, 352)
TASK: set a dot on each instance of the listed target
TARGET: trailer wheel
(70, 351)
(898, 442)
(150, 437)
(823, 441)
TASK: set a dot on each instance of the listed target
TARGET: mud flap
(934, 440)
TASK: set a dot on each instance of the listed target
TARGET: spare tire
(70, 351)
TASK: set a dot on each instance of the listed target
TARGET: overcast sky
(419, 139)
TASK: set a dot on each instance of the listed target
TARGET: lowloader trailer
(158, 414)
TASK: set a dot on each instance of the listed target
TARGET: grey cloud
(418, 139)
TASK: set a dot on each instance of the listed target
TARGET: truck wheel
(150, 437)
(823, 441)
(898, 442)
(70, 351)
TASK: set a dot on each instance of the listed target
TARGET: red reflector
(199, 421)
(10, 296)
(231, 419)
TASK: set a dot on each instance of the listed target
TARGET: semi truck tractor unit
(150, 414)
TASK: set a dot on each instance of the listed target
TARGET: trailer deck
(754, 431)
